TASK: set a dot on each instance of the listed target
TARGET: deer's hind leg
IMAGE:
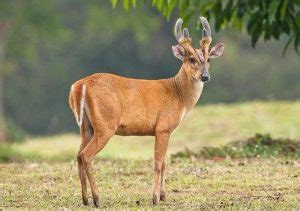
(104, 128)
(97, 143)
(104, 115)
(86, 131)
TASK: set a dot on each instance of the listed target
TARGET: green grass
(263, 146)
(204, 184)
(209, 125)
(41, 172)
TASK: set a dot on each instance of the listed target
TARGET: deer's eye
(192, 60)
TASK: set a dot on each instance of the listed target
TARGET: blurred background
(47, 45)
(238, 148)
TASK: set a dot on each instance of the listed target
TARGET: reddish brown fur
(123, 106)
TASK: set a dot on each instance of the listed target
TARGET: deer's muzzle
(205, 76)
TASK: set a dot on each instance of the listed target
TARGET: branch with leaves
(262, 18)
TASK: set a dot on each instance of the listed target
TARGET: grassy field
(125, 183)
(42, 172)
(209, 125)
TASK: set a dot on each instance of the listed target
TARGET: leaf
(183, 6)
(267, 30)
(228, 10)
(239, 24)
(133, 2)
(126, 4)
(297, 2)
(297, 44)
(252, 22)
(241, 8)
(287, 45)
(114, 3)
(170, 8)
(217, 9)
(283, 9)
(187, 17)
(255, 36)
(273, 8)
(298, 19)
(255, 27)
(285, 27)
(159, 4)
(275, 30)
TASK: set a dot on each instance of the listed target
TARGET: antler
(206, 28)
(206, 33)
(181, 35)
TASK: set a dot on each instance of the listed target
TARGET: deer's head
(196, 61)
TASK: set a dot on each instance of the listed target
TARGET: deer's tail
(77, 101)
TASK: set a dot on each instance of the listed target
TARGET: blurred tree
(96, 39)
(36, 16)
(267, 18)
(3, 32)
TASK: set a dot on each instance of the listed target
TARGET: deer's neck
(188, 89)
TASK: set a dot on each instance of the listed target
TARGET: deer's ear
(216, 51)
(178, 52)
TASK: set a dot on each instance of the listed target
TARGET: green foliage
(14, 132)
(263, 18)
(257, 146)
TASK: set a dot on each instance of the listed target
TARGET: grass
(41, 172)
(204, 184)
(257, 146)
(209, 125)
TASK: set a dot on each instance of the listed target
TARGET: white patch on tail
(79, 116)
(72, 87)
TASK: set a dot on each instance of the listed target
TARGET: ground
(254, 183)
(42, 171)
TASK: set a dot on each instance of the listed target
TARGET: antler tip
(179, 20)
(206, 28)
(177, 29)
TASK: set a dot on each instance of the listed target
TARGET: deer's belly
(136, 128)
(137, 123)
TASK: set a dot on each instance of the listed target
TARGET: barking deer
(105, 105)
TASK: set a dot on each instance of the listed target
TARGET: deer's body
(138, 107)
(105, 105)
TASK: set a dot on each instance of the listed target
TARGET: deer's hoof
(155, 199)
(85, 201)
(163, 197)
(96, 202)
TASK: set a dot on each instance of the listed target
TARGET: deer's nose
(205, 77)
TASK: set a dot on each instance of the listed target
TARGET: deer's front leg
(163, 180)
(160, 149)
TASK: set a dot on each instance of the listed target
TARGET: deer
(106, 104)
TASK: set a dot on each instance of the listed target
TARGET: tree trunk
(3, 32)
